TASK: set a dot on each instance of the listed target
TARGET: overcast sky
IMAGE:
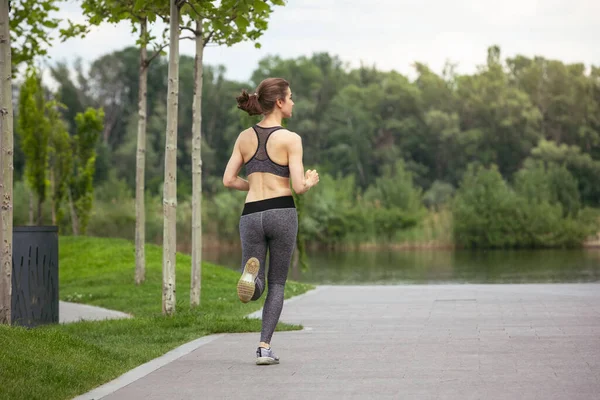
(390, 34)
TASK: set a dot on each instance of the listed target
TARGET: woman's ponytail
(249, 103)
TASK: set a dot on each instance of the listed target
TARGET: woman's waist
(273, 203)
(263, 192)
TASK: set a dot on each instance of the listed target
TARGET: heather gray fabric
(261, 162)
(273, 231)
(271, 311)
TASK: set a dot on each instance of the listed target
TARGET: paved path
(403, 342)
(73, 312)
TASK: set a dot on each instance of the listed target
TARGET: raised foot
(246, 284)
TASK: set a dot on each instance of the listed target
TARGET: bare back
(266, 185)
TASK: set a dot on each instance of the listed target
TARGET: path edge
(145, 369)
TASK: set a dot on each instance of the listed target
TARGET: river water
(439, 266)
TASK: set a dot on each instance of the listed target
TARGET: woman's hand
(311, 177)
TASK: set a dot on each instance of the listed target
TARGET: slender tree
(34, 129)
(6, 155)
(170, 180)
(197, 171)
(81, 190)
(60, 159)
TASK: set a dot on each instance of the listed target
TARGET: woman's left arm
(230, 177)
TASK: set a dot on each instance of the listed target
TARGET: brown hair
(263, 101)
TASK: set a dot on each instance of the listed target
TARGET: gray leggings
(274, 230)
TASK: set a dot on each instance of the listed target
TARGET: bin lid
(44, 228)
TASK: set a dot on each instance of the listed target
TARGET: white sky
(390, 34)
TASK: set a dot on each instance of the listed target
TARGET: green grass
(62, 361)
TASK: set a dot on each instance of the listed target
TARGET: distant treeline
(512, 151)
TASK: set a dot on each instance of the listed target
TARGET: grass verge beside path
(62, 361)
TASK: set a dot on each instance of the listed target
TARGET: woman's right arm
(301, 182)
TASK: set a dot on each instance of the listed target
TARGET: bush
(484, 210)
(538, 181)
(438, 195)
(542, 212)
(328, 214)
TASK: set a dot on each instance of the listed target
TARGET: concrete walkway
(74, 312)
(399, 342)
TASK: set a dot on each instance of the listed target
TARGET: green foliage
(489, 214)
(230, 21)
(395, 189)
(484, 210)
(135, 11)
(335, 211)
(358, 123)
(438, 195)
(580, 164)
(89, 127)
(34, 129)
(326, 209)
(389, 221)
(60, 158)
(539, 182)
(30, 28)
(225, 212)
(301, 237)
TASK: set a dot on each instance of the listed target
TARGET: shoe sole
(266, 361)
(246, 285)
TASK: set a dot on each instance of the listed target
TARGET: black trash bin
(35, 275)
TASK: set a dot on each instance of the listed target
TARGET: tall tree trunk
(196, 281)
(6, 160)
(74, 219)
(170, 184)
(140, 211)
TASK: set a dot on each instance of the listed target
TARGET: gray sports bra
(261, 162)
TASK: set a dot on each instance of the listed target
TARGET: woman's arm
(300, 181)
(230, 176)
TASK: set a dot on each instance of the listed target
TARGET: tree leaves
(261, 6)
(231, 21)
(31, 26)
(242, 22)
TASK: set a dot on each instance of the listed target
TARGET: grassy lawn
(62, 361)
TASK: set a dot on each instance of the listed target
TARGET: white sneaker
(266, 357)
(246, 284)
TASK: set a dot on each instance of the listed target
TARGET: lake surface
(439, 266)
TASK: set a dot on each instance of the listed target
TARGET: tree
(352, 128)
(72, 99)
(196, 278)
(485, 210)
(60, 159)
(89, 127)
(34, 129)
(170, 181)
(139, 13)
(228, 23)
(504, 116)
(6, 155)
(585, 168)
